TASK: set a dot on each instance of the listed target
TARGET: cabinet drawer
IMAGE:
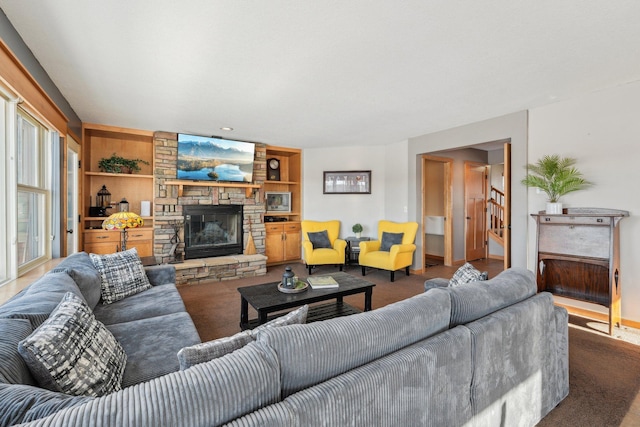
(291, 226)
(102, 236)
(139, 234)
(577, 220)
(274, 227)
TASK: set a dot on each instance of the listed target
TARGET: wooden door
(475, 196)
(292, 242)
(506, 234)
(273, 243)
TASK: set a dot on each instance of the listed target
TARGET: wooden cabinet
(100, 141)
(107, 242)
(290, 176)
(578, 256)
(282, 242)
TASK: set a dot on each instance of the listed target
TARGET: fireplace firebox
(212, 230)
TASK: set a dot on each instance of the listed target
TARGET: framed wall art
(347, 182)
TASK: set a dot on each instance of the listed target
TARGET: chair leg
(392, 275)
(309, 267)
(341, 265)
(363, 270)
(407, 270)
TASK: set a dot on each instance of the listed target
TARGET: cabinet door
(274, 243)
(292, 242)
(102, 248)
(142, 240)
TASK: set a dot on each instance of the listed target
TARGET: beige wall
(602, 131)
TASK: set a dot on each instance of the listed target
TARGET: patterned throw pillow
(465, 274)
(206, 351)
(73, 353)
(390, 239)
(319, 239)
(122, 275)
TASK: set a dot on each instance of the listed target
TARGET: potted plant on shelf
(357, 229)
(555, 176)
(117, 164)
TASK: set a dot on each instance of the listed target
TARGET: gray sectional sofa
(151, 326)
(489, 353)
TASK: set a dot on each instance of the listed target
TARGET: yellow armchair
(393, 252)
(322, 248)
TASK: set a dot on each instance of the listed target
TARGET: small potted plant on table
(357, 229)
(555, 176)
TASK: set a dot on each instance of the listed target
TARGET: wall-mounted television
(203, 158)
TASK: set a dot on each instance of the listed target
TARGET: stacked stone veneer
(168, 210)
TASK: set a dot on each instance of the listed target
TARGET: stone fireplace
(173, 203)
(213, 230)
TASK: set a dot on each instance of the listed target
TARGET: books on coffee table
(322, 282)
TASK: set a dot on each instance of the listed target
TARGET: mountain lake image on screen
(202, 158)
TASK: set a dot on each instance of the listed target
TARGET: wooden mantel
(249, 188)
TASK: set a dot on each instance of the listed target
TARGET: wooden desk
(579, 256)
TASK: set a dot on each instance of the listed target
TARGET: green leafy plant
(117, 164)
(556, 176)
(357, 228)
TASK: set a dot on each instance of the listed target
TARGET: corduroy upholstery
(483, 353)
(399, 256)
(322, 256)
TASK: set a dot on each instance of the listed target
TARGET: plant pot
(554, 208)
(358, 234)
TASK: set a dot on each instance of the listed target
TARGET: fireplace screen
(211, 231)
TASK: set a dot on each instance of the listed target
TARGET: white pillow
(465, 274)
(122, 274)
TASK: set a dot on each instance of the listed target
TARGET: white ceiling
(307, 73)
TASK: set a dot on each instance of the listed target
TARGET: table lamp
(122, 221)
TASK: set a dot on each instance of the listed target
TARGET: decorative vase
(358, 234)
(554, 208)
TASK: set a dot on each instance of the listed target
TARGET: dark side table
(352, 251)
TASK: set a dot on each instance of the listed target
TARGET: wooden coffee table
(266, 298)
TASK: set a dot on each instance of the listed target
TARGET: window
(33, 192)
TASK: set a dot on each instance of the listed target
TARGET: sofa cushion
(319, 239)
(424, 384)
(209, 394)
(311, 353)
(156, 301)
(13, 370)
(514, 358)
(210, 350)
(83, 272)
(38, 300)
(121, 273)
(151, 345)
(206, 351)
(23, 403)
(390, 239)
(469, 303)
(465, 274)
(73, 353)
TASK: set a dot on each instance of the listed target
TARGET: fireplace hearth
(212, 230)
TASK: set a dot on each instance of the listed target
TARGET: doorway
(436, 210)
(497, 154)
(72, 191)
